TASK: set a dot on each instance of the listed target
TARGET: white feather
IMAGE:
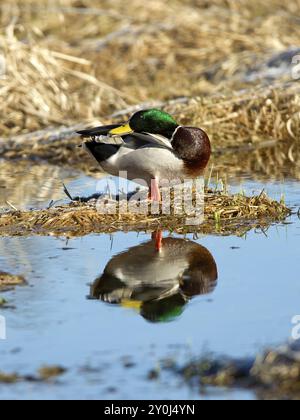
(146, 163)
(163, 141)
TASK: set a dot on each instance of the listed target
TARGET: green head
(152, 121)
(165, 309)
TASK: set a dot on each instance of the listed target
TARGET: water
(25, 185)
(93, 307)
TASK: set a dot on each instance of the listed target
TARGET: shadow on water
(157, 284)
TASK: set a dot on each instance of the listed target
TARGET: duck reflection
(157, 281)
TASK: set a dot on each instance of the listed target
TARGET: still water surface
(109, 308)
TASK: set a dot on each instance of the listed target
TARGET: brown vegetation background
(70, 62)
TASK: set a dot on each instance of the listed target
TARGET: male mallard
(158, 285)
(150, 147)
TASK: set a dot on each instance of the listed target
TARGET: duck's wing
(102, 146)
(133, 140)
(98, 131)
(139, 140)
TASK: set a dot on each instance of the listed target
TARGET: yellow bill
(121, 131)
(131, 304)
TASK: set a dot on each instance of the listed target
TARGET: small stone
(48, 372)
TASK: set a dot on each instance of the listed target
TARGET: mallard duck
(149, 148)
(157, 285)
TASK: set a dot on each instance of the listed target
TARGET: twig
(11, 205)
(67, 192)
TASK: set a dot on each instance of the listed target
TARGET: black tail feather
(100, 151)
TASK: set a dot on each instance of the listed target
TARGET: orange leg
(158, 238)
(154, 194)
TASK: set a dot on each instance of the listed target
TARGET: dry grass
(250, 119)
(44, 86)
(224, 214)
(69, 60)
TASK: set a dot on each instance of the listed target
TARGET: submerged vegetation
(44, 374)
(7, 279)
(274, 374)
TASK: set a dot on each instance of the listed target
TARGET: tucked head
(152, 121)
(192, 145)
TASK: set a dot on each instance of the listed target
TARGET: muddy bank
(271, 375)
(44, 374)
(275, 374)
(223, 214)
(9, 280)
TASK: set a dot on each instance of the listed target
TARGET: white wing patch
(161, 140)
(113, 140)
